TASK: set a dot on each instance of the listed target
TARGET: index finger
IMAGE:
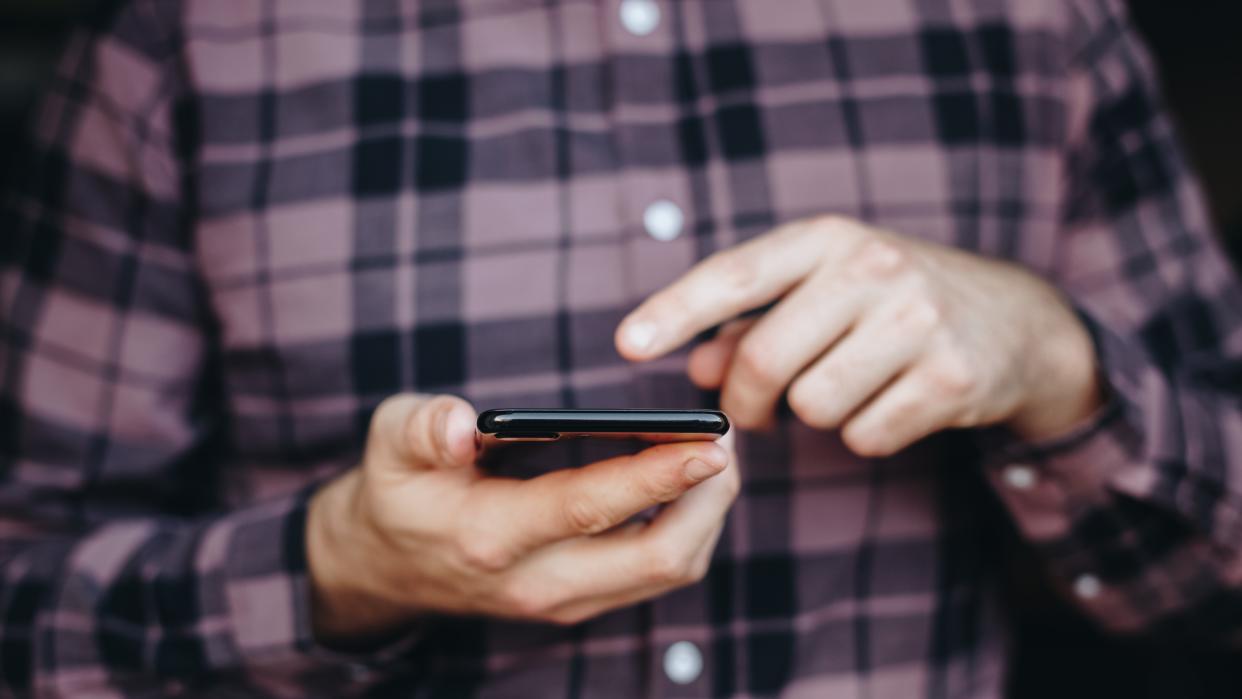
(594, 498)
(722, 287)
(626, 566)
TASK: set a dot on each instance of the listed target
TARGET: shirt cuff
(261, 553)
(1045, 484)
(1048, 483)
(1100, 506)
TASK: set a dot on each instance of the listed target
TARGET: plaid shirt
(246, 222)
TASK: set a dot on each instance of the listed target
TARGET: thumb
(424, 431)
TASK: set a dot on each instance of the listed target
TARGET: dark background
(1198, 44)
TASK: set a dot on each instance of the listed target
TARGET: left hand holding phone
(416, 528)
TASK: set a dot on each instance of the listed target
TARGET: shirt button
(1019, 477)
(1087, 586)
(640, 17)
(663, 220)
(683, 663)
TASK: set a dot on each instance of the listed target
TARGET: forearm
(154, 599)
(1137, 511)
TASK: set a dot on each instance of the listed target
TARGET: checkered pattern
(248, 221)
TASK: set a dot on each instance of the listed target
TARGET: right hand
(418, 529)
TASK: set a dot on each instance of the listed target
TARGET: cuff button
(1087, 586)
(1020, 477)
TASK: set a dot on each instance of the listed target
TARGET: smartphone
(646, 425)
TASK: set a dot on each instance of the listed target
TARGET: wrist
(1065, 386)
(346, 611)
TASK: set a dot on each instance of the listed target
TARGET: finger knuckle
(756, 364)
(965, 412)
(527, 601)
(879, 259)
(661, 486)
(735, 268)
(806, 400)
(585, 515)
(482, 552)
(669, 302)
(920, 314)
(953, 376)
(836, 370)
(866, 441)
(967, 415)
(901, 411)
(669, 565)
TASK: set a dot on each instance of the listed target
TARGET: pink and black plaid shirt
(246, 222)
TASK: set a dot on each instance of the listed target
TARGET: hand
(416, 528)
(885, 337)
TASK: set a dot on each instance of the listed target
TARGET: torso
(481, 233)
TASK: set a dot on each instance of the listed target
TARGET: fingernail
(639, 335)
(698, 470)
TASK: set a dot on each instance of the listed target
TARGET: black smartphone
(647, 425)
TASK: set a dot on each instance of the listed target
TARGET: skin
(883, 337)
(416, 528)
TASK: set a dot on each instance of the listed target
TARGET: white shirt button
(1019, 477)
(640, 17)
(663, 220)
(1087, 586)
(683, 663)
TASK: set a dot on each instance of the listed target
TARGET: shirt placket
(659, 221)
(658, 218)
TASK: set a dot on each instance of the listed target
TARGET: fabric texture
(246, 222)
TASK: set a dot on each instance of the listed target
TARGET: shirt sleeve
(1139, 512)
(120, 567)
